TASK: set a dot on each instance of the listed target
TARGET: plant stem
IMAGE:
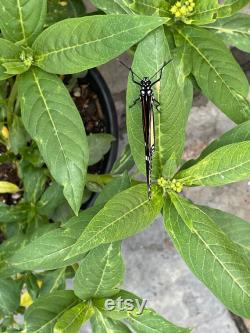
(11, 103)
(106, 179)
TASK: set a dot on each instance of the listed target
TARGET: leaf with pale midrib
(52, 120)
(233, 30)
(42, 315)
(22, 20)
(102, 324)
(225, 165)
(123, 216)
(89, 41)
(217, 72)
(237, 229)
(100, 273)
(211, 256)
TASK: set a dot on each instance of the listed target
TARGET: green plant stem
(11, 103)
(106, 179)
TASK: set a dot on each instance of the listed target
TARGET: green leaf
(14, 213)
(117, 185)
(21, 20)
(13, 68)
(109, 7)
(180, 206)
(101, 324)
(100, 273)
(9, 53)
(170, 167)
(9, 295)
(59, 10)
(124, 215)
(99, 145)
(151, 322)
(225, 165)
(50, 200)
(7, 187)
(207, 11)
(42, 315)
(233, 30)
(211, 256)
(52, 281)
(151, 7)
(46, 252)
(171, 121)
(239, 133)
(230, 7)
(237, 229)
(56, 126)
(90, 41)
(124, 163)
(72, 320)
(34, 181)
(18, 136)
(217, 73)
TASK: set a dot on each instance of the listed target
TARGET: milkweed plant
(46, 237)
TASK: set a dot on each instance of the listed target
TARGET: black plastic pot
(99, 86)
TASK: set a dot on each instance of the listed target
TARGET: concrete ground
(154, 269)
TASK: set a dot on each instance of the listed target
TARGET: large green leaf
(211, 256)
(124, 215)
(52, 120)
(90, 41)
(9, 295)
(233, 30)
(46, 252)
(102, 324)
(10, 53)
(225, 165)
(42, 315)
(72, 320)
(170, 122)
(217, 73)
(22, 20)
(237, 229)
(100, 273)
(207, 11)
(151, 322)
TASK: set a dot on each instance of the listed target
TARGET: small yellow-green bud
(178, 4)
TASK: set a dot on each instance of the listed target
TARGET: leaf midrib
(57, 316)
(44, 55)
(110, 224)
(36, 79)
(21, 19)
(231, 90)
(215, 173)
